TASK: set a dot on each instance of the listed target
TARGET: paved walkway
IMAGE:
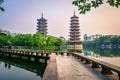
(71, 69)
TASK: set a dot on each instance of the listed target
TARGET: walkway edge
(51, 72)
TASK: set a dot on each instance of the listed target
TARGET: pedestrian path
(71, 69)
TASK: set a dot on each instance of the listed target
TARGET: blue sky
(21, 16)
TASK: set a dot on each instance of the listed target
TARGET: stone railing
(29, 53)
(106, 67)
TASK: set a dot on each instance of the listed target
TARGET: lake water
(111, 56)
(14, 69)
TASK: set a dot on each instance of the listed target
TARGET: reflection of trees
(105, 52)
(37, 68)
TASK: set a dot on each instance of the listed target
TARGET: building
(4, 31)
(42, 26)
(91, 37)
(14, 34)
(74, 42)
(86, 38)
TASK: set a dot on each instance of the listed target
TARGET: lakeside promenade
(71, 69)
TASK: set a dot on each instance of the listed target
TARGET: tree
(51, 42)
(115, 40)
(1, 8)
(58, 43)
(37, 40)
(86, 5)
(27, 39)
(5, 39)
(18, 40)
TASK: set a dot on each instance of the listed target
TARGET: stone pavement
(71, 69)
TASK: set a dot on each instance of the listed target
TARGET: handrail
(36, 54)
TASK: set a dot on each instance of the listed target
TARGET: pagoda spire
(42, 15)
(74, 12)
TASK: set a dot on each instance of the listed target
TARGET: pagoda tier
(42, 26)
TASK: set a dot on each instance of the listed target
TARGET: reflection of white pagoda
(74, 42)
(42, 26)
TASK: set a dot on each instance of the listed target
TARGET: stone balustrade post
(82, 59)
(119, 76)
(95, 65)
(106, 70)
(87, 61)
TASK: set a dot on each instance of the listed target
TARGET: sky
(20, 16)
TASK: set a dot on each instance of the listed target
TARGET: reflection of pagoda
(42, 26)
(74, 42)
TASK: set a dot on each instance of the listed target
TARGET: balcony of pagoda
(42, 31)
(74, 20)
(74, 33)
(42, 28)
(74, 17)
(42, 24)
(74, 26)
(74, 30)
(72, 38)
(75, 37)
(42, 19)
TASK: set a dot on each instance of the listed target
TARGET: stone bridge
(69, 66)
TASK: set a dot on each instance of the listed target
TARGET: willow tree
(86, 5)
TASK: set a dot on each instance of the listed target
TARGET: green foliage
(4, 39)
(86, 5)
(103, 41)
(54, 43)
(1, 8)
(36, 41)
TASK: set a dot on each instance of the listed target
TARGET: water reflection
(13, 65)
(87, 53)
(111, 56)
(102, 52)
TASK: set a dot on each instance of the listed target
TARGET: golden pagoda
(74, 43)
